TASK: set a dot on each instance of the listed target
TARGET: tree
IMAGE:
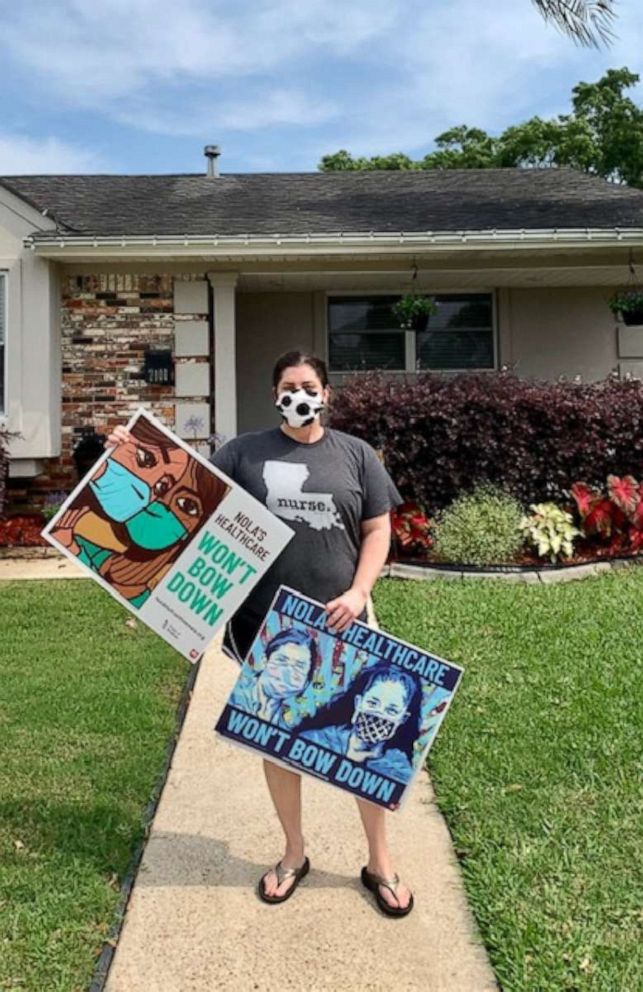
(586, 21)
(462, 148)
(603, 135)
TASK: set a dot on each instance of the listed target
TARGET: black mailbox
(159, 367)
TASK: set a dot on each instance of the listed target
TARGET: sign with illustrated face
(359, 709)
(168, 535)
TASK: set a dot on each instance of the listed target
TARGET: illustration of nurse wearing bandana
(380, 723)
(132, 520)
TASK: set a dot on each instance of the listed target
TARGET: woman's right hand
(119, 435)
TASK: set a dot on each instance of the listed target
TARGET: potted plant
(628, 306)
(412, 312)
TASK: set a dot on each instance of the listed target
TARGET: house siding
(546, 333)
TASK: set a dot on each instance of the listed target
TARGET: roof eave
(340, 243)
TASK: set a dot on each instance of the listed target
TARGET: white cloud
(464, 62)
(91, 52)
(249, 112)
(368, 75)
(484, 65)
(20, 155)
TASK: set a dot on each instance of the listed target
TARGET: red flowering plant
(411, 530)
(615, 518)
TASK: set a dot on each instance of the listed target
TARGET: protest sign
(169, 536)
(359, 709)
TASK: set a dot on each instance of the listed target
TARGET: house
(178, 291)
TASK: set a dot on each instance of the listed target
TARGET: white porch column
(225, 365)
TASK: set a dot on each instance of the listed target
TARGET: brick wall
(107, 321)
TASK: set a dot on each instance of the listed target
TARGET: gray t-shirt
(323, 490)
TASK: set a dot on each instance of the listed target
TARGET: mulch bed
(22, 530)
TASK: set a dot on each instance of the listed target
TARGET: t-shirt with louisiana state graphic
(323, 490)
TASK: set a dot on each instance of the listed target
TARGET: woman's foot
(293, 858)
(401, 897)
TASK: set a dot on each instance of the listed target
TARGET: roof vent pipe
(212, 153)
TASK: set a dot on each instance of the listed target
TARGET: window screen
(363, 334)
(459, 335)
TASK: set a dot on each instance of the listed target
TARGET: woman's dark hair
(290, 635)
(340, 712)
(290, 358)
(148, 433)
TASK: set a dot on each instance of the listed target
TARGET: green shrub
(479, 528)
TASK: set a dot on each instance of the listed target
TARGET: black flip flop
(372, 882)
(282, 875)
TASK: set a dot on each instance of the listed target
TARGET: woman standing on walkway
(334, 492)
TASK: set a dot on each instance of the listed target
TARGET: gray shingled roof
(327, 203)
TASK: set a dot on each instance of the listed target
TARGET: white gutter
(73, 245)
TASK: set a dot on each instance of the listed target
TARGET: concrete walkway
(194, 922)
(40, 568)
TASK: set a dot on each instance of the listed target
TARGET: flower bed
(596, 526)
(22, 530)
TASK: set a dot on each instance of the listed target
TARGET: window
(363, 335)
(3, 337)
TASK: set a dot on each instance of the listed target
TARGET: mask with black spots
(298, 407)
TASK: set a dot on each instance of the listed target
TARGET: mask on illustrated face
(155, 528)
(299, 408)
(373, 729)
(120, 493)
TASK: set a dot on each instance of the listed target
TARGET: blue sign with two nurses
(359, 709)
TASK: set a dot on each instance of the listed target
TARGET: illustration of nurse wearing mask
(290, 659)
(131, 522)
(374, 725)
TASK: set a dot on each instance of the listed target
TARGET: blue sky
(135, 86)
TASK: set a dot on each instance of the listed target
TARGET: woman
(375, 723)
(333, 491)
(290, 659)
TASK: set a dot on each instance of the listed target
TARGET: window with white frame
(364, 335)
(3, 338)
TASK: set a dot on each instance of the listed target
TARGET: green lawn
(537, 768)
(87, 708)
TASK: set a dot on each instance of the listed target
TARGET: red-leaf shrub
(411, 528)
(442, 435)
(616, 519)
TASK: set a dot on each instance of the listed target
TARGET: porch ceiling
(436, 279)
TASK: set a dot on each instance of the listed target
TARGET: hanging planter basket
(412, 312)
(628, 306)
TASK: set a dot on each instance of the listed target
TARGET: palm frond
(588, 22)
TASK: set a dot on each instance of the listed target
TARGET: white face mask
(299, 407)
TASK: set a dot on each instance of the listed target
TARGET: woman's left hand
(346, 608)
